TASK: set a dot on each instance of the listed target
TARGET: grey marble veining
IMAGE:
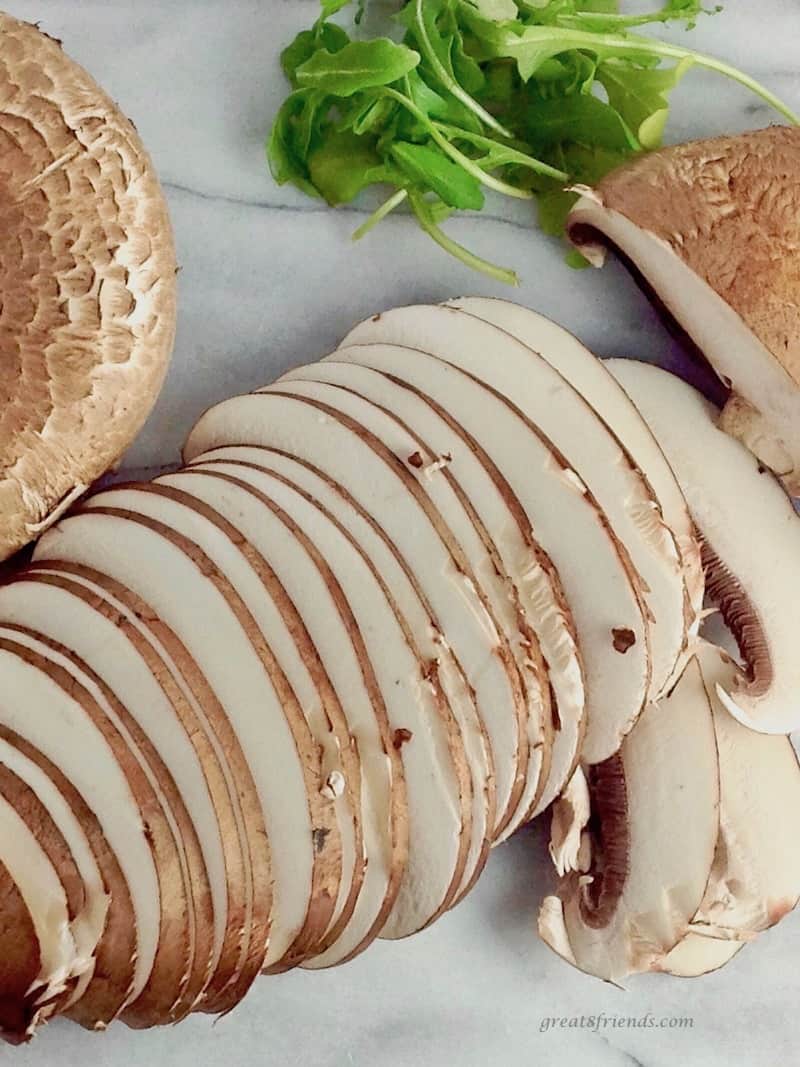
(270, 279)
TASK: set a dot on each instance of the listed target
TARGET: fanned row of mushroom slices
(256, 713)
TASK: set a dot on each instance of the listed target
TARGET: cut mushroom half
(711, 227)
(87, 243)
(751, 541)
(640, 884)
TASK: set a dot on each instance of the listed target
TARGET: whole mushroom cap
(87, 283)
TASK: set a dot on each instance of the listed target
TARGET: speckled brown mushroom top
(741, 235)
(87, 282)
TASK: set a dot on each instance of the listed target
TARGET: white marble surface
(270, 279)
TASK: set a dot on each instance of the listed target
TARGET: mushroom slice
(137, 551)
(518, 767)
(176, 981)
(236, 808)
(101, 992)
(379, 481)
(430, 747)
(577, 436)
(67, 612)
(755, 880)
(710, 227)
(566, 523)
(589, 376)
(332, 629)
(87, 273)
(70, 730)
(249, 574)
(533, 587)
(696, 955)
(643, 884)
(29, 788)
(751, 541)
(40, 958)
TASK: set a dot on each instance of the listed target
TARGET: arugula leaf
(581, 119)
(640, 96)
(359, 65)
(327, 35)
(426, 166)
(523, 97)
(344, 165)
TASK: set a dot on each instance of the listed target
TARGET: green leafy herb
(523, 97)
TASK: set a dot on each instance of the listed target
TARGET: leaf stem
(380, 213)
(469, 259)
(447, 81)
(506, 153)
(449, 149)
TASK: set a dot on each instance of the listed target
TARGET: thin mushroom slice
(40, 958)
(751, 542)
(87, 273)
(232, 490)
(711, 230)
(236, 808)
(266, 600)
(69, 613)
(103, 990)
(380, 484)
(565, 522)
(264, 713)
(696, 955)
(29, 788)
(547, 639)
(642, 884)
(578, 433)
(181, 964)
(590, 377)
(68, 730)
(755, 879)
(518, 767)
(434, 764)
(580, 442)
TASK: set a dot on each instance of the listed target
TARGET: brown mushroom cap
(712, 230)
(87, 282)
(742, 235)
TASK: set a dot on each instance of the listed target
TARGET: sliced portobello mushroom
(248, 573)
(28, 786)
(136, 552)
(232, 489)
(589, 376)
(381, 484)
(696, 955)
(299, 818)
(566, 522)
(236, 807)
(72, 615)
(101, 992)
(437, 784)
(581, 439)
(70, 730)
(40, 957)
(711, 229)
(751, 541)
(547, 629)
(181, 964)
(519, 766)
(640, 884)
(755, 879)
